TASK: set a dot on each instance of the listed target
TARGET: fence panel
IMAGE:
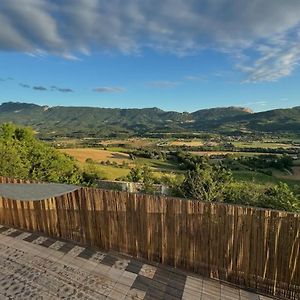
(250, 247)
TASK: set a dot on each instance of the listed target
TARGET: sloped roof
(34, 191)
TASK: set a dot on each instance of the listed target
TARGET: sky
(181, 55)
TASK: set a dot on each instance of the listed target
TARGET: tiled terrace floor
(38, 267)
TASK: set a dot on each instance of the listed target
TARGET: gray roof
(34, 191)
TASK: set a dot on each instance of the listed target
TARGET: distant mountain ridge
(92, 121)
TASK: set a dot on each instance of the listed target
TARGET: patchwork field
(131, 143)
(81, 154)
(193, 143)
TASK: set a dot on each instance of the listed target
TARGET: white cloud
(196, 78)
(267, 29)
(163, 84)
(106, 89)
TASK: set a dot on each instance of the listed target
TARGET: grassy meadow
(111, 158)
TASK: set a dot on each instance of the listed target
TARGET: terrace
(66, 241)
(36, 266)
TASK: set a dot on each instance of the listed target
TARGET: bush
(89, 161)
(279, 197)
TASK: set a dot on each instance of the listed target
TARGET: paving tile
(134, 266)
(52, 269)
(141, 283)
(39, 240)
(48, 242)
(174, 292)
(57, 245)
(75, 251)
(121, 288)
(100, 269)
(153, 293)
(9, 231)
(194, 283)
(15, 233)
(191, 295)
(109, 260)
(31, 237)
(120, 264)
(147, 271)
(23, 235)
(135, 294)
(86, 253)
(97, 257)
(3, 228)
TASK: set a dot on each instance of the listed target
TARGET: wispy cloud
(106, 89)
(274, 59)
(7, 78)
(196, 78)
(163, 84)
(40, 88)
(270, 47)
(62, 90)
(24, 85)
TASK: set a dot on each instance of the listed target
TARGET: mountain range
(101, 122)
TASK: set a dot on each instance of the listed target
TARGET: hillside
(91, 121)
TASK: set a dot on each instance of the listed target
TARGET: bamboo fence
(250, 247)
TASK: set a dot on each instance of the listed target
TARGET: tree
(145, 176)
(135, 174)
(207, 182)
(147, 180)
(23, 156)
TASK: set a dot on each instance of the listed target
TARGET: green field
(261, 178)
(259, 144)
(106, 172)
(156, 164)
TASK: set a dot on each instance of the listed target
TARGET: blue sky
(175, 55)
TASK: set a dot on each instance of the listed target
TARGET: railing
(253, 248)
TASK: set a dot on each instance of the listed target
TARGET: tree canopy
(23, 156)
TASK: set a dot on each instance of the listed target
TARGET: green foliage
(243, 193)
(135, 175)
(22, 156)
(211, 182)
(206, 182)
(263, 162)
(274, 196)
(279, 197)
(145, 176)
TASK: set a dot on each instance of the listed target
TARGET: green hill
(91, 121)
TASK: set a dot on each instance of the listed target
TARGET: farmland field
(106, 172)
(189, 143)
(259, 144)
(236, 153)
(294, 176)
(81, 154)
(130, 143)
